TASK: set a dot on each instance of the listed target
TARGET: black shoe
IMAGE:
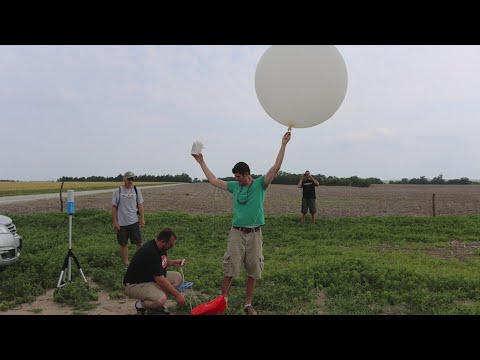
(158, 311)
(140, 311)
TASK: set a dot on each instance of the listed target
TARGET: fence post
(61, 200)
(433, 204)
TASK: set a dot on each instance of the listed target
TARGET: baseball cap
(129, 174)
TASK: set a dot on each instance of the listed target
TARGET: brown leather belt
(247, 230)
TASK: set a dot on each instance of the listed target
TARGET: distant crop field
(12, 188)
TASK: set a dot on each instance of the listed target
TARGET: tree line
(144, 178)
(286, 178)
(283, 178)
(438, 180)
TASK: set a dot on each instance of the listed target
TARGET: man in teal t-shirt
(245, 241)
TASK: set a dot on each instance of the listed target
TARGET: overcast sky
(409, 111)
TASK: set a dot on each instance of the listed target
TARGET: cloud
(384, 131)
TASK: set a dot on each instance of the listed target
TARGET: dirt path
(44, 305)
(23, 198)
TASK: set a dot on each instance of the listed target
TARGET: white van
(10, 242)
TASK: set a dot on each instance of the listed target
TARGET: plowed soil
(332, 201)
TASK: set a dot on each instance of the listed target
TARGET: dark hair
(241, 168)
(166, 234)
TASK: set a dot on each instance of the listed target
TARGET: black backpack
(119, 196)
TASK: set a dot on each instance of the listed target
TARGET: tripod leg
(60, 279)
(69, 268)
(78, 265)
(63, 272)
(81, 272)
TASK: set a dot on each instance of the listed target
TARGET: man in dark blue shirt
(147, 278)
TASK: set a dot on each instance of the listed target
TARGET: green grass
(371, 265)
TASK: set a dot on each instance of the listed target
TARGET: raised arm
(315, 181)
(300, 183)
(212, 179)
(278, 162)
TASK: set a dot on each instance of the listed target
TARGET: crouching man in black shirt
(147, 278)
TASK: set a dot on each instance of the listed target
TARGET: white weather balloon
(301, 85)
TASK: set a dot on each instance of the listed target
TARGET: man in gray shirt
(127, 204)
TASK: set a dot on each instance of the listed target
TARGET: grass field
(12, 188)
(360, 265)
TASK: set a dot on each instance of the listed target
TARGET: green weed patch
(373, 265)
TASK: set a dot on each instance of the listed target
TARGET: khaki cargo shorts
(245, 249)
(150, 290)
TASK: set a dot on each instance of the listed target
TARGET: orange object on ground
(214, 307)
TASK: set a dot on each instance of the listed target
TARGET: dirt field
(332, 201)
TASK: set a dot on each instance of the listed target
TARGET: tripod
(67, 263)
